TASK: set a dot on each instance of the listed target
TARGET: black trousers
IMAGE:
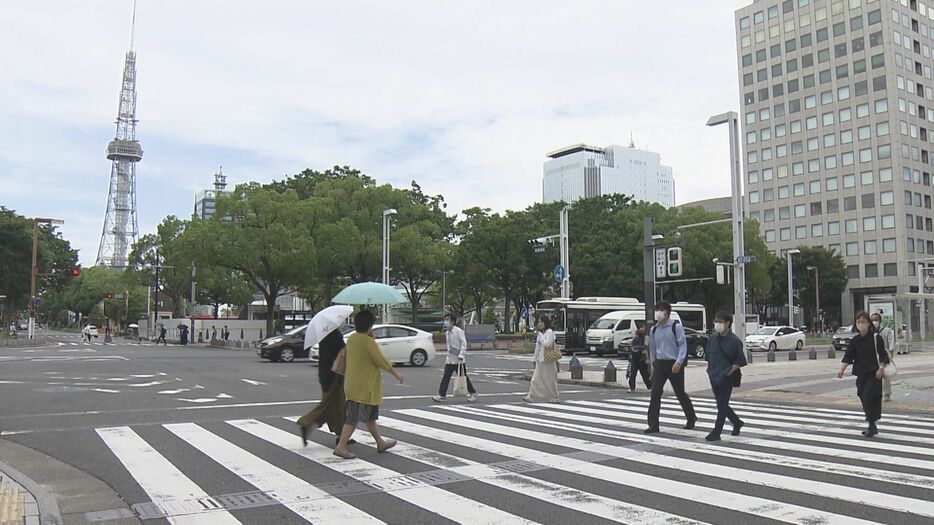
(661, 374)
(450, 370)
(636, 367)
(869, 391)
(722, 390)
(161, 338)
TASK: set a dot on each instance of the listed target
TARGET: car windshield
(296, 330)
(603, 324)
(845, 330)
(767, 330)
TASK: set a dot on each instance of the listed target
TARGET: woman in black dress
(330, 409)
(866, 352)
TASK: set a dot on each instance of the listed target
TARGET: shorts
(355, 412)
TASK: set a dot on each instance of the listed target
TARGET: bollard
(831, 352)
(771, 356)
(609, 373)
(748, 356)
(238, 344)
(812, 354)
(577, 371)
(241, 333)
(792, 355)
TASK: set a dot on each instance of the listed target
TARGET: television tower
(124, 151)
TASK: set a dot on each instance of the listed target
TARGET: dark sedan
(696, 342)
(841, 338)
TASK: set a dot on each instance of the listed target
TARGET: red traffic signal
(110, 295)
(75, 272)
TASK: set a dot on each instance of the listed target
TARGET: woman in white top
(545, 378)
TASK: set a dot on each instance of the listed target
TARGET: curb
(47, 511)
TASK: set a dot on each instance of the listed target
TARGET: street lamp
(387, 214)
(816, 293)
(791, 299)
(35, 254)
(739, 248)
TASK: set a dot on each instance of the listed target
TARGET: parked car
(399, 343)
(286, 347)
(775, 338)
(24, 325)
(696, 342)
(841, 338)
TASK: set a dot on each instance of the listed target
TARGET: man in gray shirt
(724, 359)
(668, 351)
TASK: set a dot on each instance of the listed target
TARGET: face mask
(719, 328)
(447, 325)
(876, 324)
(659, 315)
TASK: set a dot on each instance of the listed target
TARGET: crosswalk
(581, 461)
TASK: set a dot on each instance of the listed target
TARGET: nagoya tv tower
(124, 151)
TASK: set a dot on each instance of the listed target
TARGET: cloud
(465, 97)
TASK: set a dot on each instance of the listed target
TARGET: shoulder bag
(340, 362)
(552, 353)
(888, 371)
(460, 382)
(738, 375)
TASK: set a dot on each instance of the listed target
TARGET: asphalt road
(199, 435)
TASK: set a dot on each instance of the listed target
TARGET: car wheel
(772, 346)
(419, 358)
(287, 355)
(699, 351)
(800, 344)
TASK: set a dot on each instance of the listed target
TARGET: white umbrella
(326, 321)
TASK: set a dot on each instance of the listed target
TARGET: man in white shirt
(457, 353)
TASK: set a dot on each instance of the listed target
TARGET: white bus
(570, 318)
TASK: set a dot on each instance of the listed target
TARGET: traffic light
(75, 272)
(674, 262)
(110, 295)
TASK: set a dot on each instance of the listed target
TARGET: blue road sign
(745, 259)
(559, 273)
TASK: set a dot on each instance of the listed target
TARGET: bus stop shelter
(905, 313)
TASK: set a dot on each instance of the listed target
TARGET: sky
(464, 97)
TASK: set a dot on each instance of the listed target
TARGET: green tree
(166, 248)
(217, 285)
(833, 280)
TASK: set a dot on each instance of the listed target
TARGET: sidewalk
(17, 505)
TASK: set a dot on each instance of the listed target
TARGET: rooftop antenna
(133, 26)
(632, 143)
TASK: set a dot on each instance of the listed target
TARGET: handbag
(888, 371)
(552, 353)
(460, 382)
(340, 362)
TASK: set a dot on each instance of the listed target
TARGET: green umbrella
(369, 293)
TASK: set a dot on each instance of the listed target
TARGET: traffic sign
(661, 261)
(38, 301)
(745, 259)
(559, 273)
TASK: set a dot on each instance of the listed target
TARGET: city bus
(570, 318)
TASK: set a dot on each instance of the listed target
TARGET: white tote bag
(460, 382)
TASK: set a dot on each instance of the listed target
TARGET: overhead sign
(745, 259)
(559, 273)
(661, 260)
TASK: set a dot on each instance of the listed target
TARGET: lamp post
(791, 299)
(565, 255)
(387, 214)
(35, 269)
(444, 278)
(739, 248)
(814, 269)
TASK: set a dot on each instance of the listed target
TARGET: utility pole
(648, 263)
(565, 255)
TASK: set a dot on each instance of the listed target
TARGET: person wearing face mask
(457, 354)
(866, 352)
(724, 357)
(668, 350)
(889, 337)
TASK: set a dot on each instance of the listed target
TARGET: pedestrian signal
(675, 266)
(75, 272)
(110, 295)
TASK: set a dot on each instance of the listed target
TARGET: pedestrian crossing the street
(580, 461)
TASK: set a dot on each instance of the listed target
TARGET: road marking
(414, 491)
(291, 491)
(162, 481)
(252, 382)
(151, 383)
(105, 391)
(198, 399)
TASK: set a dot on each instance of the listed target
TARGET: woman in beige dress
(545, 378)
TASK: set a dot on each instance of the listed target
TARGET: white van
(614, 331)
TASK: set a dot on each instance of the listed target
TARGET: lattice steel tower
(124, 151)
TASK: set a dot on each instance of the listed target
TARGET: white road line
(296, 494)
(162, 482)
(837, 413)
(577, 415)
(561, 495)
(719, 498)
(433, 499)
(252, 382)
(849, 455)
(887, 446)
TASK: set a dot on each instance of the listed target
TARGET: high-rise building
(205, 200)
(837, 99)
(581, 171)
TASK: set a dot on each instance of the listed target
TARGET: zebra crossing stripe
(163, 482)
(775, 510)
(294, 493)
(638, 413)
(822, 438)
(757, 456)
(553, 493)
(408, 489)
(752, 477)
(836, 413)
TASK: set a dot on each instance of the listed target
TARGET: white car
(775, 338)
(399, 343)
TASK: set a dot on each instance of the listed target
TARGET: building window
(753, 197)
(869, 224)
(852, 272)
(833, 206)
(801, 232)
(890, 269)
(815, 209)
(768, 215)
(833, 228)
(784, 213)
(852, 249)
(849, 181)
(888, 245)
(872, 270)
(851, 225)
(800, 211)
(783, 192)
(769, 235)
(888, 222)
(785, 234)
(869, 247)
(887, 198)
(817, 230)
(799, 189)
(815, 186)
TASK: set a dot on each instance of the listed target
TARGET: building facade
(581, 171)
(837, 99)
(205, 200)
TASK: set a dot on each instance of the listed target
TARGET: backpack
(674, 323)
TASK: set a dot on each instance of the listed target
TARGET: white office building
(581, 171)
